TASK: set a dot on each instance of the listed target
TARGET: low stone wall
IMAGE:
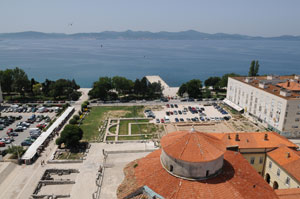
(130, 151)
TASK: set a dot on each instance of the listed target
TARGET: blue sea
(175, 61)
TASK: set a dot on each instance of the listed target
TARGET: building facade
(282, 168)
(273, 101)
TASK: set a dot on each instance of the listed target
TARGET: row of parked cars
(8, 120)
(220, 109)
(26, 109)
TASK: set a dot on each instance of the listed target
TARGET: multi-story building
(282, 168)
(254, 146)
(274, 101)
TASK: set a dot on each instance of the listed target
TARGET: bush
(73, 121)
(76, 117)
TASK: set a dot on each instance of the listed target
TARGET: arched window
(275, 185)
(268, 178)
(171, 168)
(207, 173)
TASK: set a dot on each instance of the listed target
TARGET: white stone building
(274, 101)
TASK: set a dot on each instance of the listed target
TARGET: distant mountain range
(142, 35)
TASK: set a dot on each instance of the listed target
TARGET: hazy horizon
(267, 18)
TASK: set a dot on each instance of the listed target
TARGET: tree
(254, 68)
(224, 79)
(20, 84)
(37, 89)
(6, 79)
(70, 136)
(194, 87)
(122, 85)
(182, 89)
(137, 88)
(101, 88)
(214, 82)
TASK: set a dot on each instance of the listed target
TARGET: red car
(9, 130)
(168, 105)
(2, 144)
(162, 121)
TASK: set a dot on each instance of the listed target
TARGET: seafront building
(273, 101)
(168, 92)
(192, 164)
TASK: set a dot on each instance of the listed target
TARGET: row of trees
(15, 81)
(193, 88)
(117, 87)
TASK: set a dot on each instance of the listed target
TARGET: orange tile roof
(254, 140)
(237, 180)
(192, 146)
(293, 193)
(293, 86)
(271, 88)
(290, 164)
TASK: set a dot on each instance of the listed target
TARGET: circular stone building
(192, 155)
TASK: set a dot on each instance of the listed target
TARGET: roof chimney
(266, 136)
(237, 138)
(288, 155)
(288, 83)
(229, 137)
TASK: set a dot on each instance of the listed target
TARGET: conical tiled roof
(193, 146)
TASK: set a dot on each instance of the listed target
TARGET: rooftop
(237, 180)
(288, 193)
(288, 159)
(254, 140)
(293, 86)
(192, 146)
(270, 88)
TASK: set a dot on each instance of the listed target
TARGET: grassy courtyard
(98, 114)
(143, 128)
(123, 128)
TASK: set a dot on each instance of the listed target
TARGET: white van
(167, 119)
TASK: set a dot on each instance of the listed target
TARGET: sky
(254, 18)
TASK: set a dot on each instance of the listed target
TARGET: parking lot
(18, 135)
(193, 112)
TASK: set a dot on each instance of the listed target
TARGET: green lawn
(135, 137)
(123, 128)
(113, 129)
(143, 128)
(109, 138)
(94, 120)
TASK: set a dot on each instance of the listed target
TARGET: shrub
(73, 121)
(76, 117)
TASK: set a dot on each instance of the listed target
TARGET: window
(270, 165)
(278, 172)
(297, 120)
(298, 113)
(287, 181)
(252, 160)
(295, 127)
(207, 173)
(171, 168)
(261, 159)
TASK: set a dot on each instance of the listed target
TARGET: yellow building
(254, 146)
(282, 170)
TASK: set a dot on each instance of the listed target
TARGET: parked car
(26, 143)
(176, 120)
(162, 121)
(12, 133)
(157, 121)
(2, 144)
